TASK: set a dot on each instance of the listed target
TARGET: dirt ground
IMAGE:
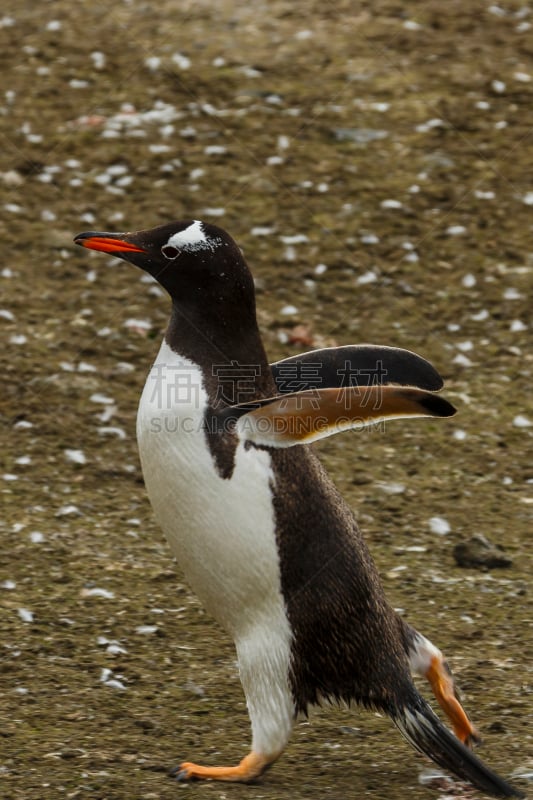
(373, 159)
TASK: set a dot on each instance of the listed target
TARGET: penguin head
(193, 260)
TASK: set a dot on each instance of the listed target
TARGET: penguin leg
(264, 672)
(250, 767)
(428, 661)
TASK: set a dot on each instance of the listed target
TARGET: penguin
(261, 533)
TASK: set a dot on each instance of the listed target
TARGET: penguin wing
(304, 417)
(355, 365)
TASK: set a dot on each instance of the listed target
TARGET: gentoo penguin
(259, 529)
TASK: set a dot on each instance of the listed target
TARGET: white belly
(222, 531)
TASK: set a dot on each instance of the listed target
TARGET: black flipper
(355, 365)
(423, 729)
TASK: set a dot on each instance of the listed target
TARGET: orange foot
(441, 680)
(249, 768)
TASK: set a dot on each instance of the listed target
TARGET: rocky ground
(374, 162)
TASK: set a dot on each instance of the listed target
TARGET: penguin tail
(425, 732)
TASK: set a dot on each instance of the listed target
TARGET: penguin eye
(170, 252)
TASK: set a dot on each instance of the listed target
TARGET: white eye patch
(191, 239)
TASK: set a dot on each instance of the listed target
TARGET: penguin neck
(228, 350)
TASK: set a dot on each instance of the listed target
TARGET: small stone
(75, 456)
(478, 551)
(359, 135)
(439, 525)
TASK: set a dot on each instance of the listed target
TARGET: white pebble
(391, 204)
(288, 310)
(98, 592)
(369, 238)
(462, 361)
(97, 397)
(23, 424)
(146, 630)
(18, 338)
(214, 212)
(9, 585)
(23, 460)
(9, 476)
(107, 414)
(497, 11)
(107, 430)
(123, 367)
(152, 63)
(261, 231)
(137, 325)
(98, 59)
(459, 435)
(481, 315)
(36, 537)
(512, 294)
(439, 525)
(430, 125)
(469, 280)
(75, 456)
(367, 277)
(215, 150)
(115, 649)
(297, 238)
(68, 511)
(116, 684)
(498, 86)
(25, 614)
(6, 314)
(517, 326)
(53, 25)
(320, 269)
(522, 77)
(181, 61)
(411, 25)
(456, 230)
(520, 421)
(83, 366)
(528, 199)
(489, 195)
(391, 487)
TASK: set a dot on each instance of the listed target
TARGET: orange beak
(106, 243)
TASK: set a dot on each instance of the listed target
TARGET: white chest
(222, 531)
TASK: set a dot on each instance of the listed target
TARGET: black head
(211, 287)
(192, 260)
